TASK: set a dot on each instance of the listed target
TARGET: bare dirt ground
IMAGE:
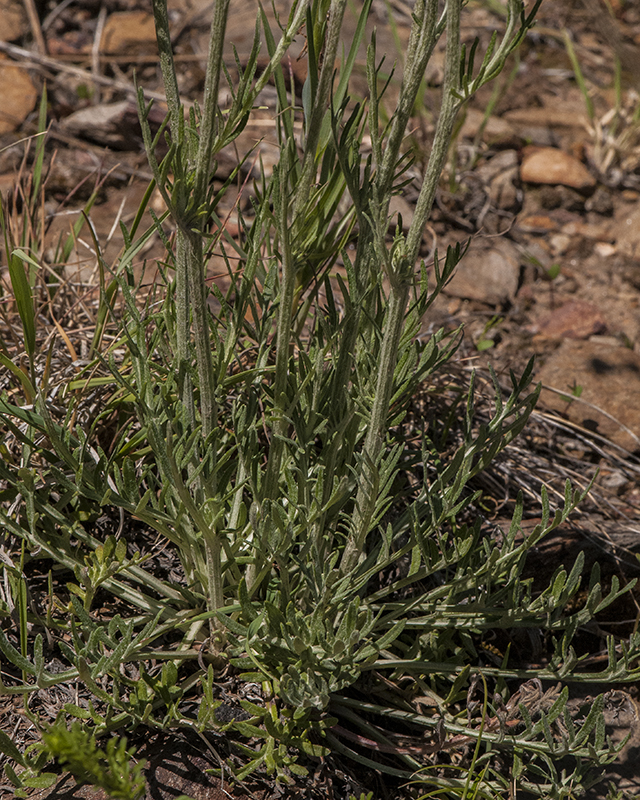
(543, 183)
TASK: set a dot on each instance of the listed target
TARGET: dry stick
(95, 48)
(34, 24)
(55, 13)
(190, 20)
(139, 58)
(26, 58)
(582, 401)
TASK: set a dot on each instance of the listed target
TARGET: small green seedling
(576, 391)
(485, 342)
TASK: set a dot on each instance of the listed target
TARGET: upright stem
(201, 335)
(340, 384)
(401, 274)
(190, 216)
(215, 588)
(444, 129)
(422, 40)
(366, 496)
(209, 121)
(167, 66)
(197, 269)
(183, 325)
(303, 190)
(283, 344)
(183, 254)
(320, 105)
(283, 333)
(296, 19)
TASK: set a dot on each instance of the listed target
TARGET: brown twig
(34, 24)
(95, 50)
(26, 58)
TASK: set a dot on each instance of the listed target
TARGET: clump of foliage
(109, 769)
(265, 443)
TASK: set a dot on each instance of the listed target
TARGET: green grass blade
(24, 302)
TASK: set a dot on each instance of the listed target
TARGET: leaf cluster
(265, 443)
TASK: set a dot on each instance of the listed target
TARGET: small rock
(497, 131)
(575, 319)
(604, 249)
(614, 480)
(11, 156)
(601, 202)
(13, 20)
(19, 96)
(625, 231)
(103, 123)
(8, 181)
(399, 205)
(537, 223)
(538, 254)
(129, 32)
(504, 193)
(269, 156)
(115, 125)
(558, 196)
(559, 243)
(68, 168)
(501, 173)
(549, 198)
(588, 231)
(492, 167)
(609, 378)
(550, 165)
(488, 272)
(545, 117)
(70, 43)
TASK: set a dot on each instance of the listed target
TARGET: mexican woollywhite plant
(262, 433)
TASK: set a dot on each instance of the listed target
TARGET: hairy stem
(444, 129)
(320, 105)
(209, 121)
(401, 266)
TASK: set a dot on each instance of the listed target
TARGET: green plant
(485, 342)
(267, 444)
(31, 762)
(110, 769)
(576, 391)
(103, 563)
(619, 794)
(615, 135)
(547, 273)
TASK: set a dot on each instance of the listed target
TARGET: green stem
(283, 343)
(202, 340)
(215, 588)
(283, 335)
(209, 121)
(191, 300)
(183, 327)
(320, 105)
(366, 496)
(444, 129)
(401, 266)
(422, 40)
(296, 19)
(167, 65)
